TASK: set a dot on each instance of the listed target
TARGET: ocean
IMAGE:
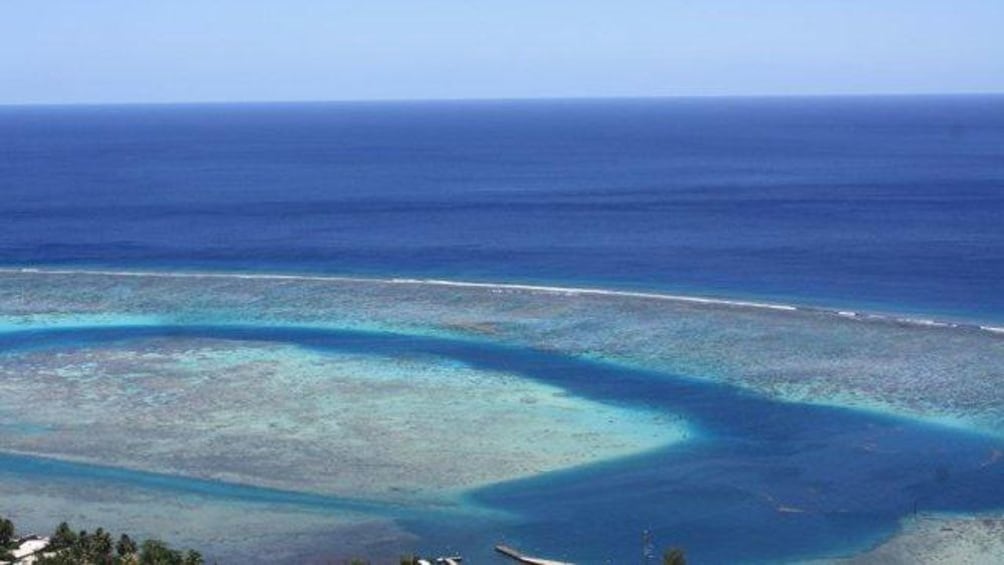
(249, 328)
(883, 203)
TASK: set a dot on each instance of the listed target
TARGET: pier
(518, 556)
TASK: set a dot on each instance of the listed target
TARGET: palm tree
(63, 537)
(6, 532)
(125, 546)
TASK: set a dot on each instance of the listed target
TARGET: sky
(106, 51)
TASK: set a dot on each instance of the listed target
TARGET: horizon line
(478, 99)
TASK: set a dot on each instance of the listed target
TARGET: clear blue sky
(60, 51)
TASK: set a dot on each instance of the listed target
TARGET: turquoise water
(808, 433)
(938, 373)
(762, 480)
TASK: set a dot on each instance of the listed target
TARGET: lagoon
(728, 463)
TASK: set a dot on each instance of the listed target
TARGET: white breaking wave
(501, 287)
(568, 291)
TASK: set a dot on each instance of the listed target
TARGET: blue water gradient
(762, 480)
(887, 203)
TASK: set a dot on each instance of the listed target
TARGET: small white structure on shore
(28, 547)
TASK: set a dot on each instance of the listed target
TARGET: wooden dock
(515, 554)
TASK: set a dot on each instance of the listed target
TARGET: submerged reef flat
(938, 539)
(288, 417)
(227, 530)
(940, 372)
(427, 414)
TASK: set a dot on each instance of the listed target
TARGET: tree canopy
(67, 547)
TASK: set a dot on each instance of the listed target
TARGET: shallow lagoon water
(228, 522)
(809, 432)
(264, 408)
(760, 477)
(938, 372)
(762, 480)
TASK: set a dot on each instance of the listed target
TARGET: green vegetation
(6, 539)
(67, 547)
(125, 546)
(6, 533)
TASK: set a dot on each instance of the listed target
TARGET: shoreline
(864, 316)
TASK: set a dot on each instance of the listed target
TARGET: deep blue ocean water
(892, 203)
(888, 203)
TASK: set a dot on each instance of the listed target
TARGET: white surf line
(408, 281)
(573, 291)
(567, 291)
